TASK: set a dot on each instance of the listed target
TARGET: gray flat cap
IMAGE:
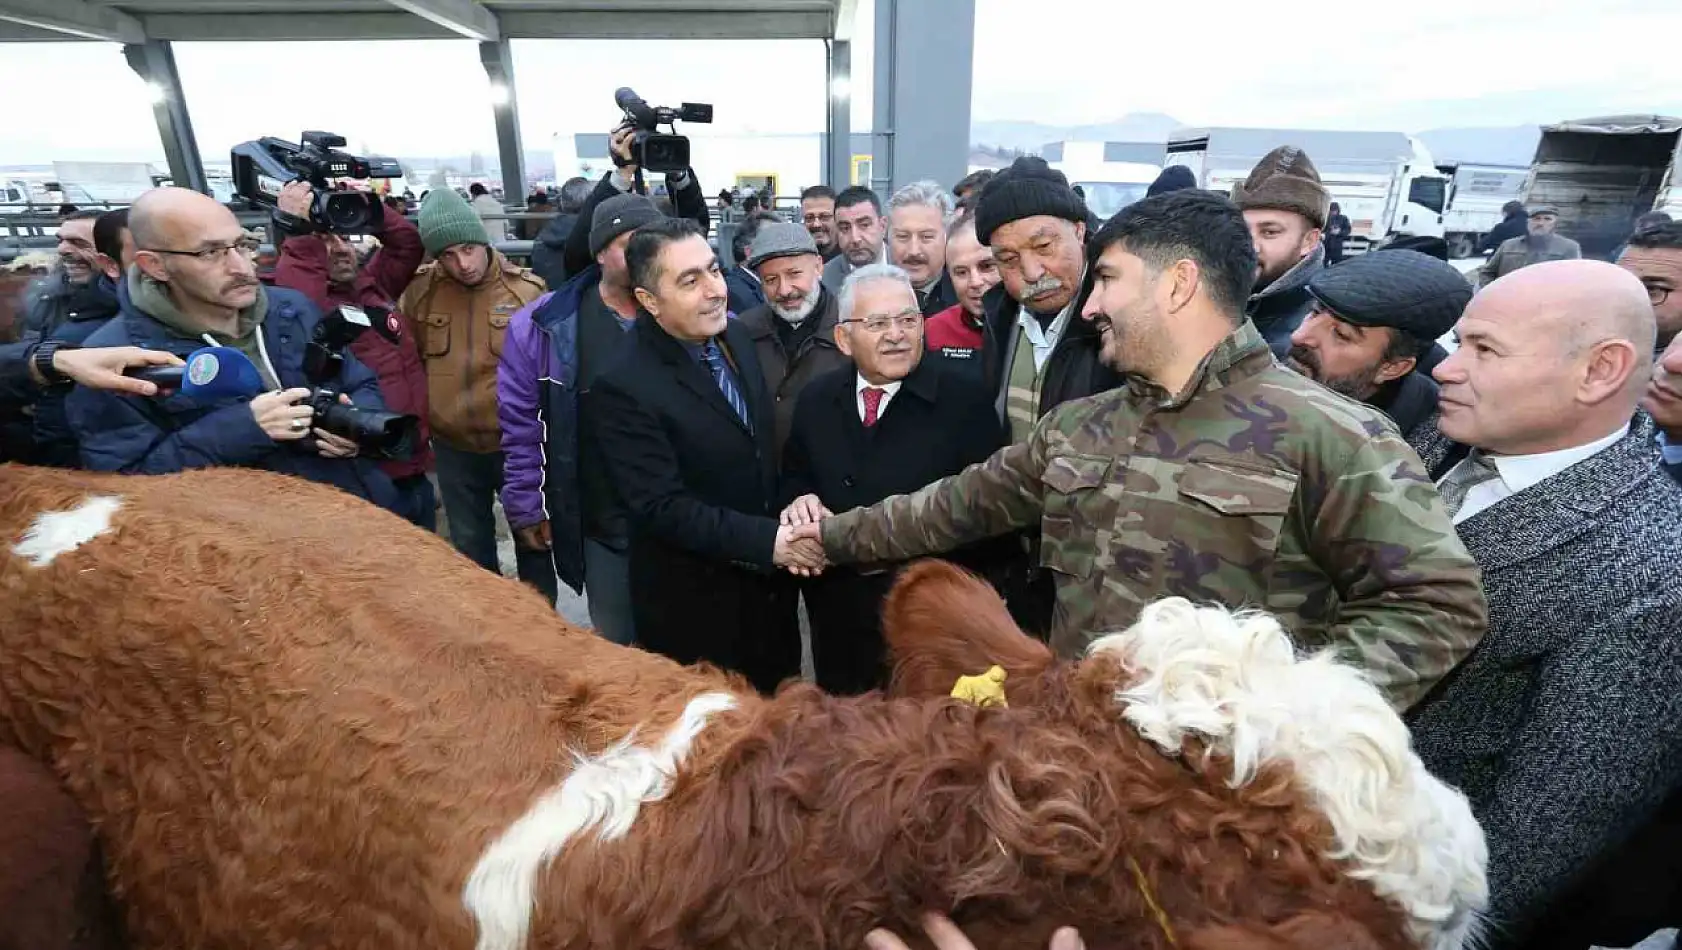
(779, 239)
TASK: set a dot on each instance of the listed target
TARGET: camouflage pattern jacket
(1254, 487)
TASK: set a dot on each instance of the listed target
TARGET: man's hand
(332, 446)
(799, 551)
(297, 199)
(807, 509)
(946, 936)
(619, 145)
(534, 537)
(102, 367)
(279, 416)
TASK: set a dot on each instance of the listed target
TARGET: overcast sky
(1354, 66)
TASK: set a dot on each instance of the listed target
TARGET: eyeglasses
(880, 324)
(818, 218)
(209, 255)
(1657, 295)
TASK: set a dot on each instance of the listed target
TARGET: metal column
(154, 61)
(498, 60)
(840, 114)
(925, 54)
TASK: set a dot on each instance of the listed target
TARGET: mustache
(1043, 286)
(918, 259)
(1308, 359)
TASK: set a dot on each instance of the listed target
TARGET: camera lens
(346, 213)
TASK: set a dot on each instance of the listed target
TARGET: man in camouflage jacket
(1213, 473)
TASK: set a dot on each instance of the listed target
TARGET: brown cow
(298, 721)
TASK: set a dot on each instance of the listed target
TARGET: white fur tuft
(60, 532)
(1234, 681)
(607, 791)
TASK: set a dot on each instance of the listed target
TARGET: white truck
(1476, 194)
(1603, 173)
(1109, 182)
(1384, 182)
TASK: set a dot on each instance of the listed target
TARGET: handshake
(799, 548)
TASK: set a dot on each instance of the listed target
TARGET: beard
(799, 312)
(1359, 386)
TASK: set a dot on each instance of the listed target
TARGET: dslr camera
(651, 149)
(263, 167)
(380, 435)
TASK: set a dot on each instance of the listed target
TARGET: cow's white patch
(59, 532)
(607, 791)
(1234, 680)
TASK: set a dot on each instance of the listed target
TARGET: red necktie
(872, 404)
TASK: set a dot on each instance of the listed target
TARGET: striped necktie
(1473, 470)
(726, 385)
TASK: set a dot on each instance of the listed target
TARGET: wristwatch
(42, 360)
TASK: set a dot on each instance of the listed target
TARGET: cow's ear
(942, 623)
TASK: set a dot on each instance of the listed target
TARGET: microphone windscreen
(216, 372)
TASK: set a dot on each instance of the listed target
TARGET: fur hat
(1285, 180)
(1027, 188)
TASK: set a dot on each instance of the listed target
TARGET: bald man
(192, 285)
(1564, 728)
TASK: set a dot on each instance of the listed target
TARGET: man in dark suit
(891, 425)
(1564, 727)
(743, 286)
(1664, 403)
(685, 426)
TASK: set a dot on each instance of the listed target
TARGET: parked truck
(1603, 173)
(1384, 182)
(1113, 175)
(1476, 194)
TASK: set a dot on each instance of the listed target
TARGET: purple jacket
(537, 410)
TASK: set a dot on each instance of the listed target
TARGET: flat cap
(1406, 290)
(1544, 209)
(779, 239)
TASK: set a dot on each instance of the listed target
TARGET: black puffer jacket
(548, 252)
(1279, 308)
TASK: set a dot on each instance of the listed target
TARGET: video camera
(651, 149)
(263, 167)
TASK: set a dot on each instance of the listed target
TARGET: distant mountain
(1033, 136)
(1514, 145)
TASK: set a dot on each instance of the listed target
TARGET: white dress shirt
(1518, 472)
(1671, 451)
(1044, 340)
(888, 392)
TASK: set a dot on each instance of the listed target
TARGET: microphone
(211, 372)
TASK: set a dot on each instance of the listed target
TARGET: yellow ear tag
(988, 689)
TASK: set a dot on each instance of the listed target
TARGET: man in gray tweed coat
(1564, 727)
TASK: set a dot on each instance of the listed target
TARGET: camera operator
(324, 267)
(192, 285)
(688, 201)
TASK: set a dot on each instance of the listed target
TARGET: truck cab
(1603, 173)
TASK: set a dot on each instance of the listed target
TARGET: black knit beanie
(1173, 178)
(1027, 188)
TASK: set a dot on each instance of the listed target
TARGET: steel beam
(75, 19)
(925, 55)
(463, 17)
(840, 140)
(498, 60)
(281, 27)
(666, 25)
(154, 60)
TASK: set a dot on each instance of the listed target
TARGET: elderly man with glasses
(888, 424)
(193, 285)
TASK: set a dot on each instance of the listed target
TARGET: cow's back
(261, 689)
